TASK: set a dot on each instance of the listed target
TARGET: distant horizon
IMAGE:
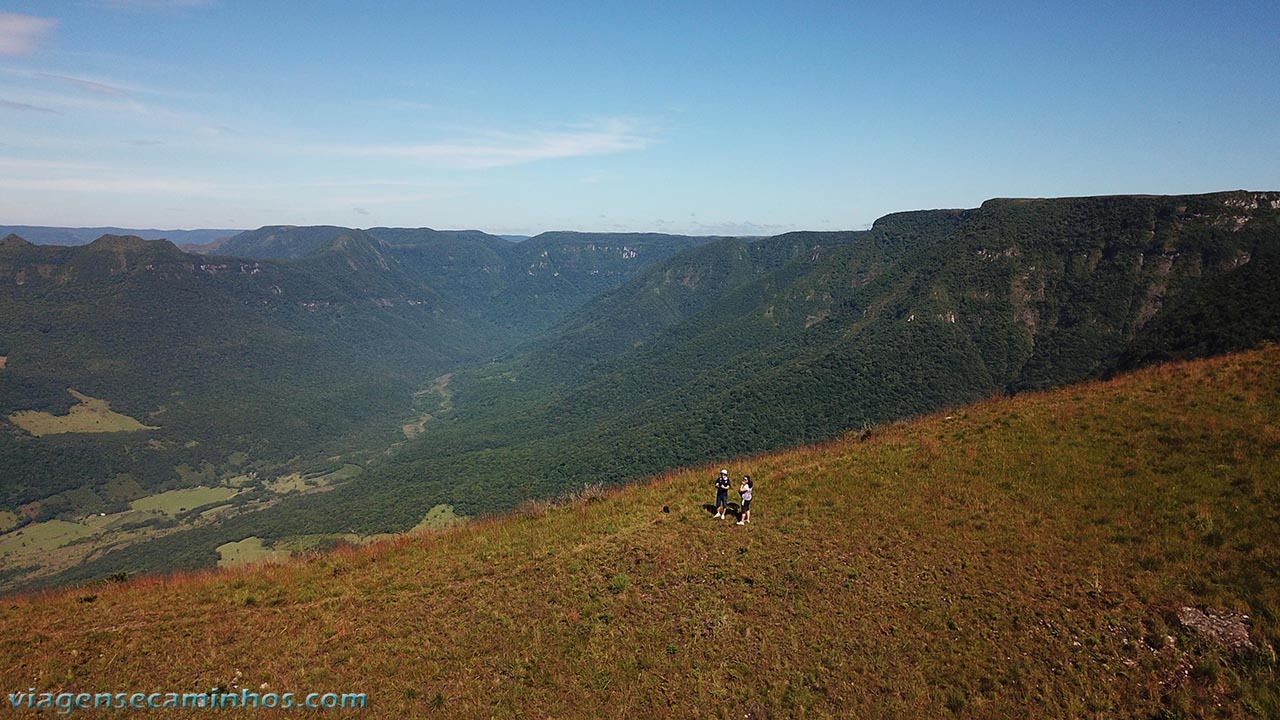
(535, 233)
(707, 119)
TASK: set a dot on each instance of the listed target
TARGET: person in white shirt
(744, 516)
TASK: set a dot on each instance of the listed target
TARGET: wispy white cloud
(151, 4)
(64, 176)
(84, 84)
(500, 149)
(69, 93)
(34, 166)
(22, 34)
(113, 186)
(11, 105)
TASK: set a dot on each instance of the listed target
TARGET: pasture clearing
(91, 415)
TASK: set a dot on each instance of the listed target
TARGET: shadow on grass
(730, 509)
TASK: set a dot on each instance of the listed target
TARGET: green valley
(189, 370)
(729, 346)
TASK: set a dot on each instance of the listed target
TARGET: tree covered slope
(737, 347)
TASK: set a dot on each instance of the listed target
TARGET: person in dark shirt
(722, 494)
(744, 515)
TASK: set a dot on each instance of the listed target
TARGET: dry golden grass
(1024, 558)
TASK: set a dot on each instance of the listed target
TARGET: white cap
(724, 472)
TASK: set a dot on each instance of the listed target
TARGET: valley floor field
(40, 548)
(90, 415)
(1025, 557)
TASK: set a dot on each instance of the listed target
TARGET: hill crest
(130, 243)
(12, 240)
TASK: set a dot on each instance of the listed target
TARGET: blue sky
(733, 117)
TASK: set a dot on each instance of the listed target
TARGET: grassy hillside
(1022, 557)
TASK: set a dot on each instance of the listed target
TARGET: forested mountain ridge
(1013, 295)
(522, 287)
(735, 346)
(49, 235)
(284, 242)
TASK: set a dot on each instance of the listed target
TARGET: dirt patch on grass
(91, 415)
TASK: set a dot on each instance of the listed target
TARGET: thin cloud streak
(44, 176)
(505, 149)
(23, 165)
(27, 108)
(22, 34)
(151, 4)
(73, 103)
(90, 85)
(114, 186)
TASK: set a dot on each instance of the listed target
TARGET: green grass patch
(440, 516)
(173, 502)
(41, 537)
(293, 482)
(248, 550)
(90, 415)
(346, 472)
(115, 521)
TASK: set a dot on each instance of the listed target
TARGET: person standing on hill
(744, 516)
(722, 494)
